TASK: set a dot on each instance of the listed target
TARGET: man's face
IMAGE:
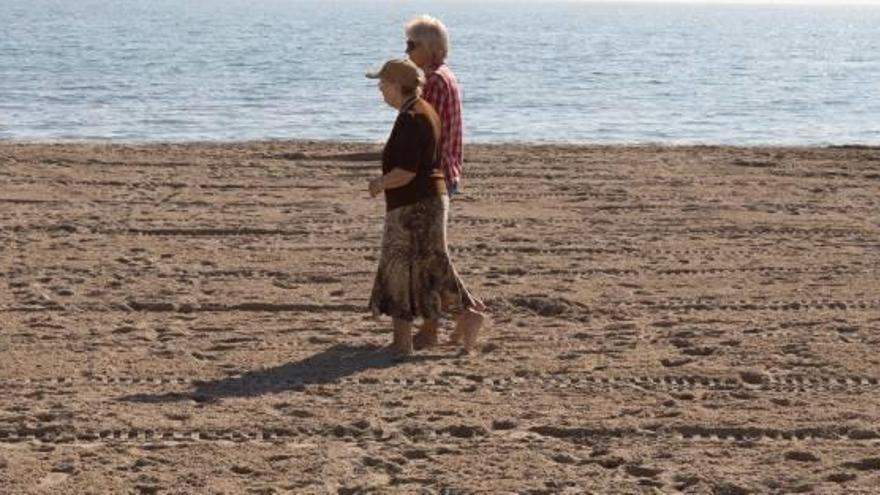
(417, 53)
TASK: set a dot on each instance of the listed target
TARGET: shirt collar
(433, 67)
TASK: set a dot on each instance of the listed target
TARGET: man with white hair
(427, 45)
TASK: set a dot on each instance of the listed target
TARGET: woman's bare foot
(427, 335)
(467, 328)
(394, 352)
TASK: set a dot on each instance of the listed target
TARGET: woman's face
(391, 93)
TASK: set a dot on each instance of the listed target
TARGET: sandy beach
(191, 319)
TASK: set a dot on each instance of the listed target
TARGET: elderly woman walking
(416, 278)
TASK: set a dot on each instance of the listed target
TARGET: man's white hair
(431, 33)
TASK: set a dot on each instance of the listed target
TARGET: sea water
(555, 72)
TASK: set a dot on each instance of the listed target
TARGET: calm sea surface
(182, 70)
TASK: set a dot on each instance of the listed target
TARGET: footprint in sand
(676, 362)
(564, 458)
(867, 464)
(52, 479)
(753, 377)
(841, 477)
(642, 471)
(801, 456)
(416, 454)
(684, 481)
(730, 489)
(503, 424)
(376, 462)
(698, 351)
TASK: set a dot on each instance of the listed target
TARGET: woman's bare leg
(427, 335)
(403, 342)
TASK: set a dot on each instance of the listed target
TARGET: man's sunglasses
(411, 45)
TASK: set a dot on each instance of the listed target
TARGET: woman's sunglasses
(411, 45)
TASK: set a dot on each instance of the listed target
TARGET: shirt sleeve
(436, 94)
(407, 143)
(444, 110)
(440, 99)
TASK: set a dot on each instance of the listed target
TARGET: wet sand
(190, 319)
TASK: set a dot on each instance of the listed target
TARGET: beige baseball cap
(400, 71)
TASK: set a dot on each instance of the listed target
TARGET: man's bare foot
(457, 336)
(468, 328)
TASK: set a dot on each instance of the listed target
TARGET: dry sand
(189, 319)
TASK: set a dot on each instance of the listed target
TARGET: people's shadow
(325, 367)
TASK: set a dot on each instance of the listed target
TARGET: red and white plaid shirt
(442, 92)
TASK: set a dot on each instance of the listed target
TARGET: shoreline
(467, 145)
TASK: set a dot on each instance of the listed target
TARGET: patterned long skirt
(416, 278)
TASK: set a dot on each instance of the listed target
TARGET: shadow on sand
(325, 367)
